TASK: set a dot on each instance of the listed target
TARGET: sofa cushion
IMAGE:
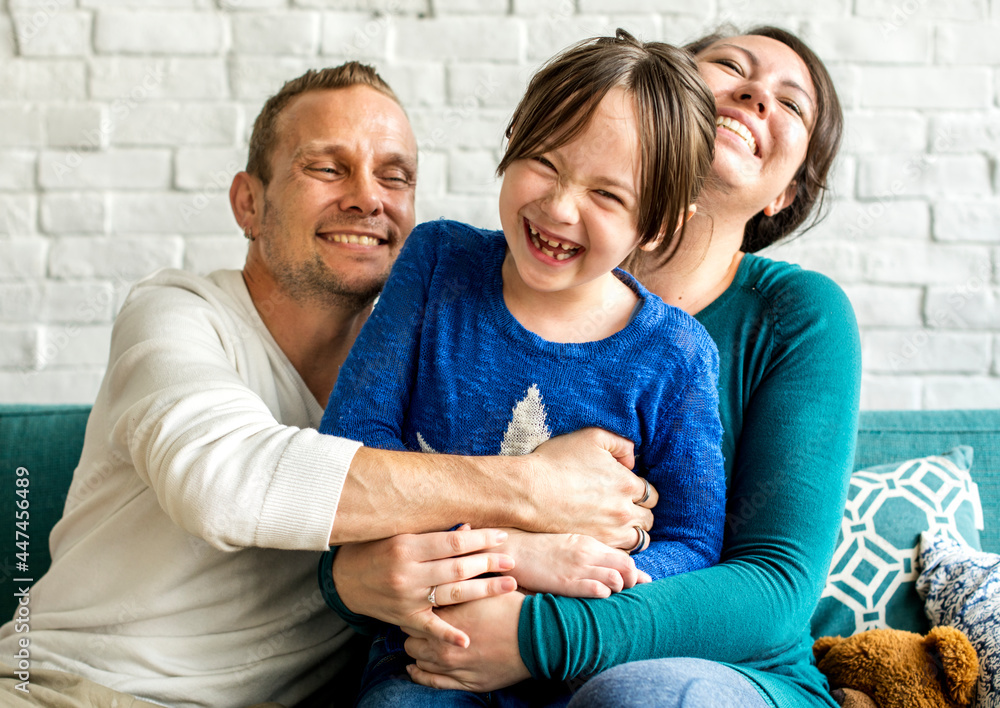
(871, 580)
(888, 436)
(961, 589)
(46, 441)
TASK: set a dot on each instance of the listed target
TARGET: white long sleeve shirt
(184, 567)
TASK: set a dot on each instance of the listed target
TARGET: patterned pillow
(871, 579)
(961, 589)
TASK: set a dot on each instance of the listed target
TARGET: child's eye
(540, 159)
(609, 195)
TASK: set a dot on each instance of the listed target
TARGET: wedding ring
(645, 492)
(432, 596)
(641, 544)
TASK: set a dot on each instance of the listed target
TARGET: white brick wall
(122, 122)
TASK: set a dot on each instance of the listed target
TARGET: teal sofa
(46, 441)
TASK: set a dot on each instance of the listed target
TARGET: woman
(789, 381)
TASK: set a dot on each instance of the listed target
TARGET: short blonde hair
(265, 133)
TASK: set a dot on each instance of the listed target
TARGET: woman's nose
(756, 96)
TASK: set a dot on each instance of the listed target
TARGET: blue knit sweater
(443, 366)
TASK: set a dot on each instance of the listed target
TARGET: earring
(248, 233)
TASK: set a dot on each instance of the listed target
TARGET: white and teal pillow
(874, 569)
(961, 589)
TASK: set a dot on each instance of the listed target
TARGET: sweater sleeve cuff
(359, 623)
(532, 652)
(317, 465)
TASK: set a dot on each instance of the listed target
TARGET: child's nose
(561, 204)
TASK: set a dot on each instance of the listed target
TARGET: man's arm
(576, 483)
(182, 409)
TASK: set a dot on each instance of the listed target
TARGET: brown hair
(265, 134)
(674, 106)
(811, 178)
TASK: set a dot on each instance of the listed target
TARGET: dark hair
(811, 178)
(265, 134)
(675, 113)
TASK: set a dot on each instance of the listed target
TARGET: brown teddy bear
(890, 668)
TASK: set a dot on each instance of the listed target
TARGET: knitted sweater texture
(443, 366)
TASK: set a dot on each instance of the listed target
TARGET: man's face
(340, 201)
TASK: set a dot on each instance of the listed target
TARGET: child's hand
(569, 564)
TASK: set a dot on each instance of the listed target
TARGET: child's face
(570, 214)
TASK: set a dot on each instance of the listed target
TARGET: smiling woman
(809, 95)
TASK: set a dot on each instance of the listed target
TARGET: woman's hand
(491, 661)
(569, 564)
(391, 579)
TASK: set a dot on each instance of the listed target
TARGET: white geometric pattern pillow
(961, 589)
(871, 580)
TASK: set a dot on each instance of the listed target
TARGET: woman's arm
(794, 457)
(792, 467)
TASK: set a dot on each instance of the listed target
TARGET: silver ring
(432, 596)
(642, 541)
(645, 492)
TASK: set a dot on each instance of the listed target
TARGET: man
(184, 568)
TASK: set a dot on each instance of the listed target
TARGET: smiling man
(184, 569)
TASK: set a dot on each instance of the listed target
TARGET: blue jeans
(386, 683)
(669, 683)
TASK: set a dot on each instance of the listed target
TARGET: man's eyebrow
(752, 58)
(315, 149)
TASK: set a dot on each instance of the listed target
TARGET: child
(492, 342)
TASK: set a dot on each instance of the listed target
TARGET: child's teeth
(564, 251)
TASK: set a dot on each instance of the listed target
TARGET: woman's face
(766, 107)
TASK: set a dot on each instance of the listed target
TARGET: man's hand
(569, 564)
(492, 659)
(585, 482)
(391, 579)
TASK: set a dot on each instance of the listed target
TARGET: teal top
(789, 378)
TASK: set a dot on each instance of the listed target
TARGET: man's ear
(684, 218)
(782, 200)
(246, 198)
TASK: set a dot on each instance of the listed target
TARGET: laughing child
(490, 342)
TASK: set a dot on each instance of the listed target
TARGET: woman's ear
(655, 243)
(782, 200)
